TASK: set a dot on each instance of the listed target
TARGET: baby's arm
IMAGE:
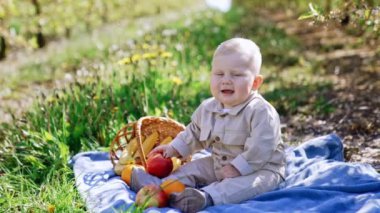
(190, 141)
(262, 143)
(230, 171)
(186, 142)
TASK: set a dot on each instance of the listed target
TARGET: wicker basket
(143, 128)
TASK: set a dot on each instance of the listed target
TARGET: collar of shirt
(217, 107)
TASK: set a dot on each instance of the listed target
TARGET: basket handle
(140, 146)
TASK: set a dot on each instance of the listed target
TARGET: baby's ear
(257, 82)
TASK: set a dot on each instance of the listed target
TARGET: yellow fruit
(132, 146)
(167, 140)
(176, 163)
(126, 158)
(127, 172)
(149, 143)
(172, 186)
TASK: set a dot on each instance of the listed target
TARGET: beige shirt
(248, 136)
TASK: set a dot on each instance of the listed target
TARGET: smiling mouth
(227, 91)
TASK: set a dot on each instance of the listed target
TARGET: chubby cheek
(214, 87)
(245, 86)
(246, 89)
(242, 91)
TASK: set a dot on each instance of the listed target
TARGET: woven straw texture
(142, 128)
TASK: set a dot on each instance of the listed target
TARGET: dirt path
(13, 102)
(355, 73)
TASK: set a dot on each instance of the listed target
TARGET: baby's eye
(238, 75)
(219, 74)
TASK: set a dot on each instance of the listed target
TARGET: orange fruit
(127, 172)
(172, 186)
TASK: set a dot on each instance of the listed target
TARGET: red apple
(151, 196)
(159, 166)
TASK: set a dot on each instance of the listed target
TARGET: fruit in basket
(172, 186)
(148, 143)
(167, 140)
(176, 163)
(127, 172)
(132, 146)
(126, 158)
(159, 166)
(151, 196)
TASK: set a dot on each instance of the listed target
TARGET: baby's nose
(226, 80)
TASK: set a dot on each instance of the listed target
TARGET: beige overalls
(248, 137)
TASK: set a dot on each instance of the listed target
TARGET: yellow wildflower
(115, 109)
(166, 54)
(125, 61)
(170, 113)
(136, 57)
(51, 99)
(176, 80)
(149, 55)
(145, 46)
(51, 208)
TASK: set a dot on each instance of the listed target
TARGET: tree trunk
(345, 19)
(3, 48)
(67, 32)
(41, 41)
(328, 6)
(88, 12)
(104, 15)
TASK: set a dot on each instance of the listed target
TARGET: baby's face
(231, 79)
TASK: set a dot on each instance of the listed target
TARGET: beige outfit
(247, 136)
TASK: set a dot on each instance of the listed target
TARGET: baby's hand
(230, 171)
(166, 150)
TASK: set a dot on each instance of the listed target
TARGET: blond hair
(245, 47)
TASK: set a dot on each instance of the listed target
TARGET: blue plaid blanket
(317, 180)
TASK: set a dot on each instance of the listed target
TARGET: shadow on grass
(311, 98)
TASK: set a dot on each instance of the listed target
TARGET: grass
(85, 49)
(163, 73)
(58, 193)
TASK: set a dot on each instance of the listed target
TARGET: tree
(3, 47)
(41, 42)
